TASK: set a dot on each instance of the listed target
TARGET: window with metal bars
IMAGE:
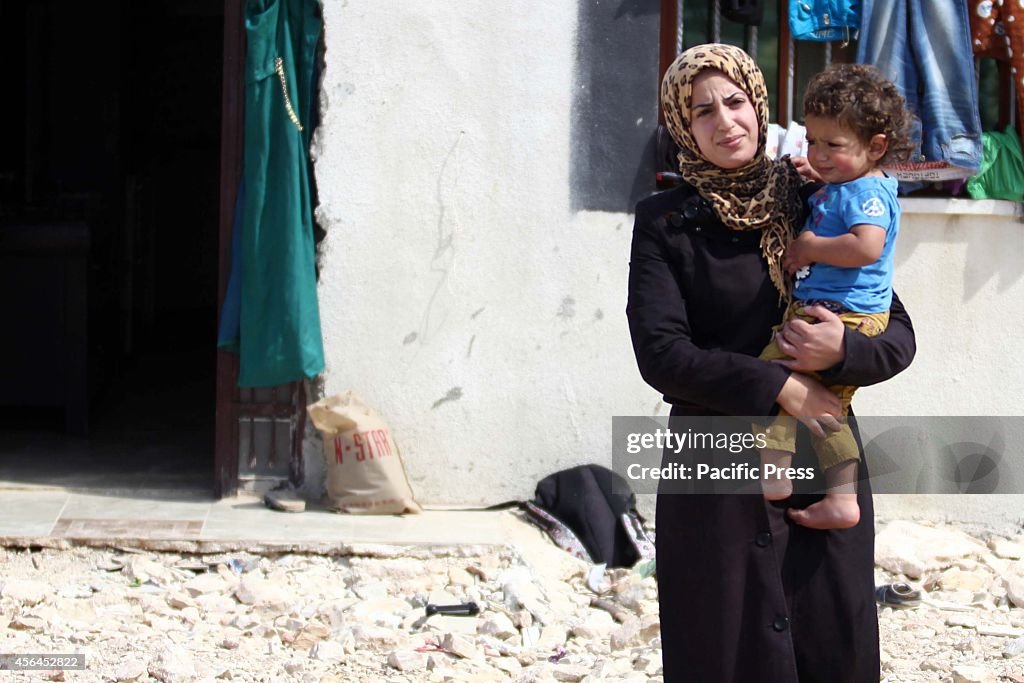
(788, 64)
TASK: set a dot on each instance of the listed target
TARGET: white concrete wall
(463, 298)
(960, 272)
(459, 293)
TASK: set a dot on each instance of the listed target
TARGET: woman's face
(723, 120)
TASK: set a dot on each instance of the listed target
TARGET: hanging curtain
(277, 334)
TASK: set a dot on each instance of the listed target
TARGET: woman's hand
(804, 168)
(807, 400)
(813, 346)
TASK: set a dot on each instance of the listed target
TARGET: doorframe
(232, 127)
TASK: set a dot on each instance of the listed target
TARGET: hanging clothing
(749, 12)
(924, 48)
(279, 323)
(824, 20)
(230, 328)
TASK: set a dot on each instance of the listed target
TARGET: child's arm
(861, 246)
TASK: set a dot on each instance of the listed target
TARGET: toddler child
(842, 259)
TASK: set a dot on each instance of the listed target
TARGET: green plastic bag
(1001, 175)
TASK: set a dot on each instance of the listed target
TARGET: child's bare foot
(835, 511)
(775, 481)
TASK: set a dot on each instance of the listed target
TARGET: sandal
(900, 595)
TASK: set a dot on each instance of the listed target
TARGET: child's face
(837, 154)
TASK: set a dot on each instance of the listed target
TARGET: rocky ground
(143, 616)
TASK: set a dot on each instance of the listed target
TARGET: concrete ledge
(966, 207)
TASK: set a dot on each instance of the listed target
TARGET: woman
(745, 594)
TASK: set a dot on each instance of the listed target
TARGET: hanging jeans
(924, 47)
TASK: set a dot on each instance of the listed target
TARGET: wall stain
(454, 394)
(612, 163)
(599, 314)
(477, 312)
(568, 308)
(444, 253)
(409, 339)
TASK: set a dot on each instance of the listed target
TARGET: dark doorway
(109, 198)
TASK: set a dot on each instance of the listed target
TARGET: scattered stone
(405, 660)
(383, 611)
(509, 665)
(958, 579)
(519, 590)
(27, 622)
(310, 635)
(259, 592)
(25, 591)
(521, 618)
(229, 642)
(215, 603)
(627, 635)
(572, 673)
(498, 625)
(130, 669)
(377, 637)
(551, 638)
(1007, 549)
(597, 625)
(972, 674)
(142, 570)
(999, 631)
(460, 577)
(459, 645)
(358, 618)
(650, 627)
(961, 619)
(1014, 648)
(375, 590)
(205, 584)
(76, 590)
(1014, 581)
(328, 651)
(913, 549)
(443, 623)
(173, 664)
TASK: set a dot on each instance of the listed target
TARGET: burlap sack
(365, 473)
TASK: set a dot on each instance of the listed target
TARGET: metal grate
(788, 65)
(271, 422)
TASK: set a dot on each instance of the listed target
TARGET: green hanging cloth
(280, 338)
(1001, 175)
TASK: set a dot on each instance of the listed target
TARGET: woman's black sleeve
(870, 360)
(722, 381)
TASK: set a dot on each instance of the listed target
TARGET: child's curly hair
(862, 100)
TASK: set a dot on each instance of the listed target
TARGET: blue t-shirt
(834, 210)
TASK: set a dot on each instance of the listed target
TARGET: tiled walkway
(142, 517)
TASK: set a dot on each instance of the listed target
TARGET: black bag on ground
(591, 512)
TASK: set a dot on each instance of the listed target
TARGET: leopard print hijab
(764, 194)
